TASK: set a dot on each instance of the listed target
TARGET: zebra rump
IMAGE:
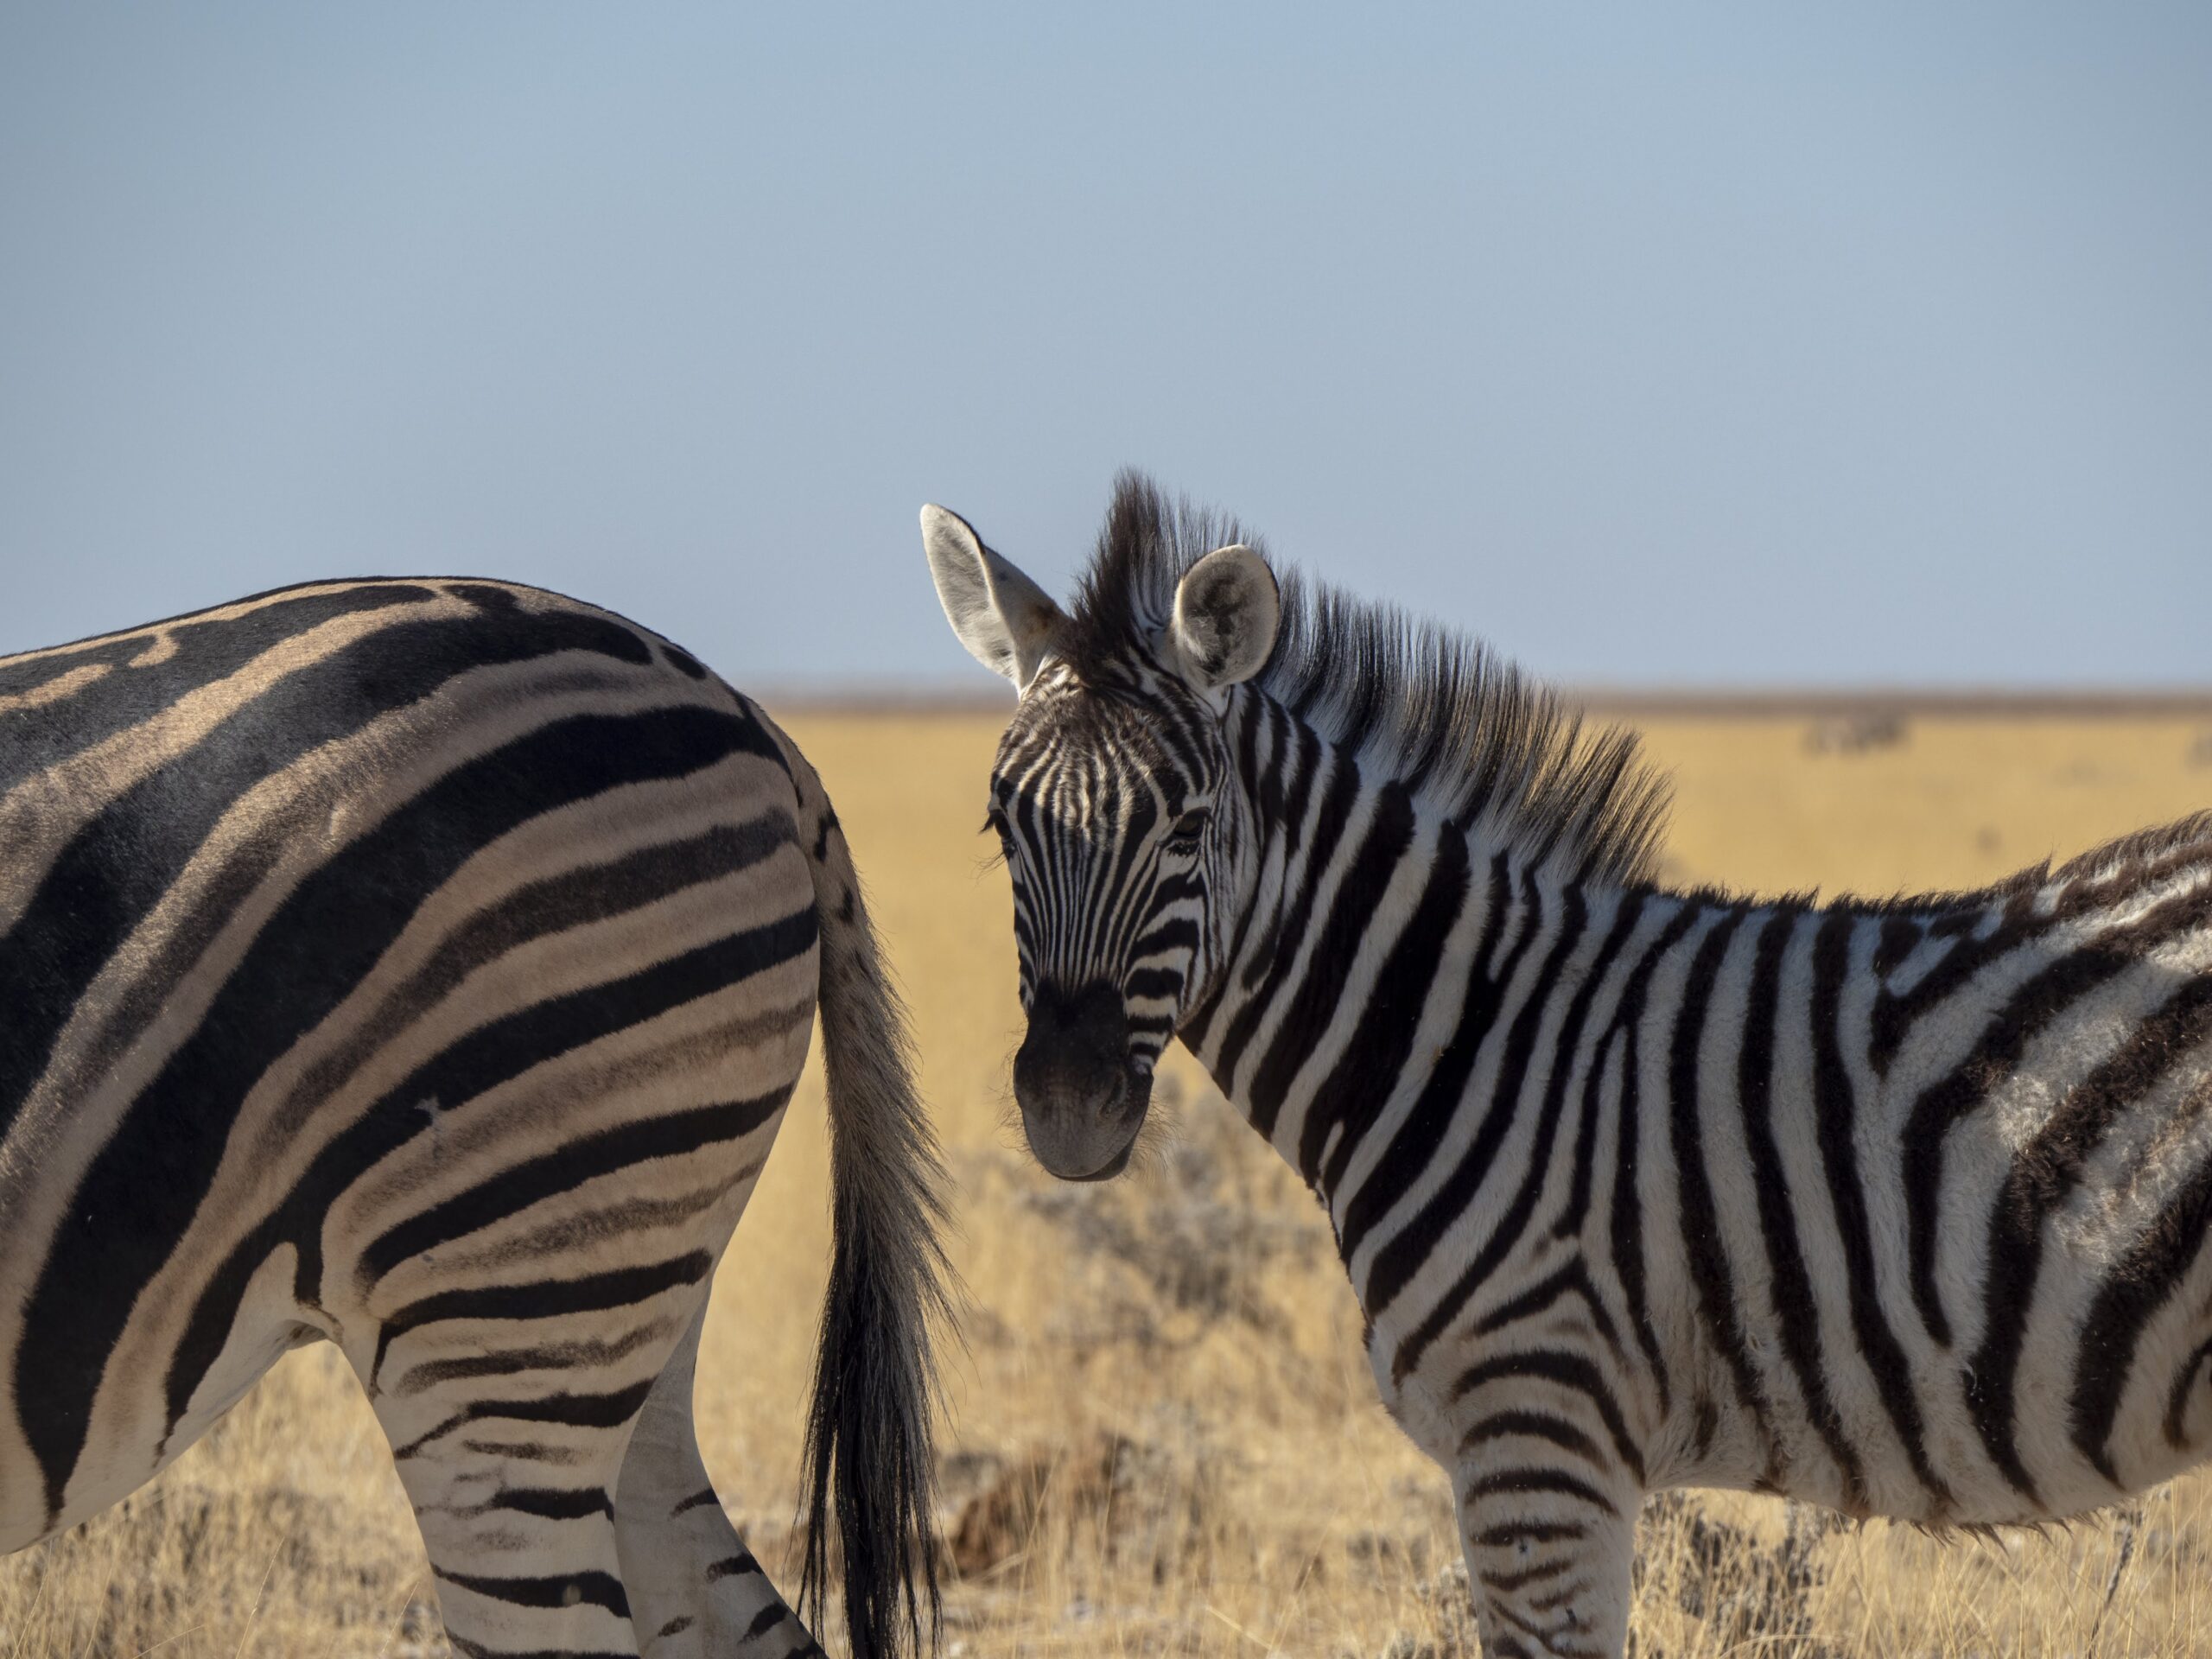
(425, 965)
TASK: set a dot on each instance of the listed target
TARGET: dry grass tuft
(1165, 1440)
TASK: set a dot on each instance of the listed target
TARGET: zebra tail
(870, 1461)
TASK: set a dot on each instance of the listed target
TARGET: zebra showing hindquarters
(425, 966)
(1900, 1207)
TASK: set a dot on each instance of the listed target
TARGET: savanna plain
(1161, 1437)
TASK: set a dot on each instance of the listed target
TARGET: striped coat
(424, 966)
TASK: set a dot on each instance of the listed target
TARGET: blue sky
(1696, 345)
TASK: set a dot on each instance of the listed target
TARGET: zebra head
(1125, 832)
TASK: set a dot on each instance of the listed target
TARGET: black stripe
(2140, 1283)
(1797, 1309)
(1180, 934)
(1698, 1216)
(564, 1170)
(1531, 1482)
(1535, 1425)
(2178, 1395)
(555, 1502)
(561, 1590)
(1512, 1533)
(1624, 1218)
(1571, 1277)
(1153, 985)
(1313, 1006)
(740, 1565)
(763, 1621)
(1297, 923)
(1895, 942)
(529, 1451)
(1835, 1108)
(1509, 1646)
(1504, 1583)
(195, 653)
(1576, 1211)
(1562, 1369)
(1414, 1147)
(544, 1298)
(1372, 1067)
(570, 1410)
(579, 1354)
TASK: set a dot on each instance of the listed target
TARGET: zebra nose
(1081, 1105)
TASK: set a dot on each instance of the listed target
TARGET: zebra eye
(1183, 836)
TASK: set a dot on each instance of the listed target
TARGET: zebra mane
(1432, 708)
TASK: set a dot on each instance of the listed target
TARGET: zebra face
(1118, 836)
(1123, 830)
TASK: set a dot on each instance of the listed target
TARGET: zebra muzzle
(1081, 1101)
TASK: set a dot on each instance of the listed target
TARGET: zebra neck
(1382, 944)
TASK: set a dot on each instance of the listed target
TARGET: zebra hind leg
(575, 1517)
(515, 1460)
(514, 1497)
(695, 1589)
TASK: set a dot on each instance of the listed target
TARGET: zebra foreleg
(1549, 1558)
(695, 1589)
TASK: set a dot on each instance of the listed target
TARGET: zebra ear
(1006, 621)
(1226, 613)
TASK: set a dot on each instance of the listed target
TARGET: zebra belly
(2069, 1368)
(2071, 1430)
(2033, 1465)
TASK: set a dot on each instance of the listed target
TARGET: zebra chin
(1085, 1142)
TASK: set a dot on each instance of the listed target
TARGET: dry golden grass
(1163, 1437)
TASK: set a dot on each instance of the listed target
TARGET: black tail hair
(869, 1458)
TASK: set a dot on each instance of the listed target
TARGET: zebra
(423, 966)
(1899, 1207)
